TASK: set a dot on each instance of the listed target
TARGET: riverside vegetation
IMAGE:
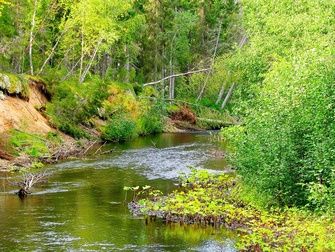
(223, 201)
(265, 66)
(92, 57)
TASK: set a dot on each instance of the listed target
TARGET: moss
(15, 84)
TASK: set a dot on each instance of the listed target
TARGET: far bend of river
(81, 207)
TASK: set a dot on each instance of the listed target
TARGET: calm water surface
(81, 207)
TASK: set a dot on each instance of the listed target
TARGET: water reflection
(83, 209)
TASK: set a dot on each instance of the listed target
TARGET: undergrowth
(221, 201)
(33, 145)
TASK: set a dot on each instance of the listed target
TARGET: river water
(82, 208)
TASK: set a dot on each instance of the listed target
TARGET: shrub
(151, 122)
(119, 129)
(121, 99)
(74, 104)
(286, 149)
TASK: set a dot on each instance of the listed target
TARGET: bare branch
(212, 63)
(176, 75)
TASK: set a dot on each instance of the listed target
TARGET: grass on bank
(33, 145)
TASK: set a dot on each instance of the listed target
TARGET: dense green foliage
(113, 108)
(285, 90)
(275, 59)
(74, 104)
(119, 129)
(85, 49)
(220, 200)
(126, 41)
(151, 121)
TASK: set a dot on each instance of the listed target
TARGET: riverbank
(81, 206)
(41, 122)
(222, 201)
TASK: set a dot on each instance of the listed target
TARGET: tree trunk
(163, 83)
(212, 63)
(31, 39)
(220, 95)
(82, 78)
(81, 56)
(230, 91)
(127, 65)
(50, 55)
(171, 88)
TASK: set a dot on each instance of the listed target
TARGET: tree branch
(176, 75)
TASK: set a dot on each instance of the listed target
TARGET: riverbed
(82, 206)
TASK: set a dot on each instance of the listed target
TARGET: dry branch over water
(28, 181)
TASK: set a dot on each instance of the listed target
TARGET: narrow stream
(81, 207)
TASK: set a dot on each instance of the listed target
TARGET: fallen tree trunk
(222, 123)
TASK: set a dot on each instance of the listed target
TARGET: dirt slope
(16, 113)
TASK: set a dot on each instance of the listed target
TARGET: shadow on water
(82, 208)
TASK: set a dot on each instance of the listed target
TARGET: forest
(77, 76)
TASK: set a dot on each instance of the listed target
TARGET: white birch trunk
(230, 91)
(31, 38)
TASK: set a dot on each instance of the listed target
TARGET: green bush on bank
(152, 120)
(74, 104)
(286, 147)
(119, 129)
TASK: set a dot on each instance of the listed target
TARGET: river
(81, 207)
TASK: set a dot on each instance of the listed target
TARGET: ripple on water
(154, 163)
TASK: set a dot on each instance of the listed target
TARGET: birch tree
(94, 26)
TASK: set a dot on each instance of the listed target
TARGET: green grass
(33, 145)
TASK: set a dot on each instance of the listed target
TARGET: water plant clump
(218, 200)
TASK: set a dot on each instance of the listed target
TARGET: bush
(151, 122)
(74, 104)
(286, 149)
(119, 129)
(72, 130)
(121, 99)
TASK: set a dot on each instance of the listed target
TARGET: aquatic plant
(219, 200)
